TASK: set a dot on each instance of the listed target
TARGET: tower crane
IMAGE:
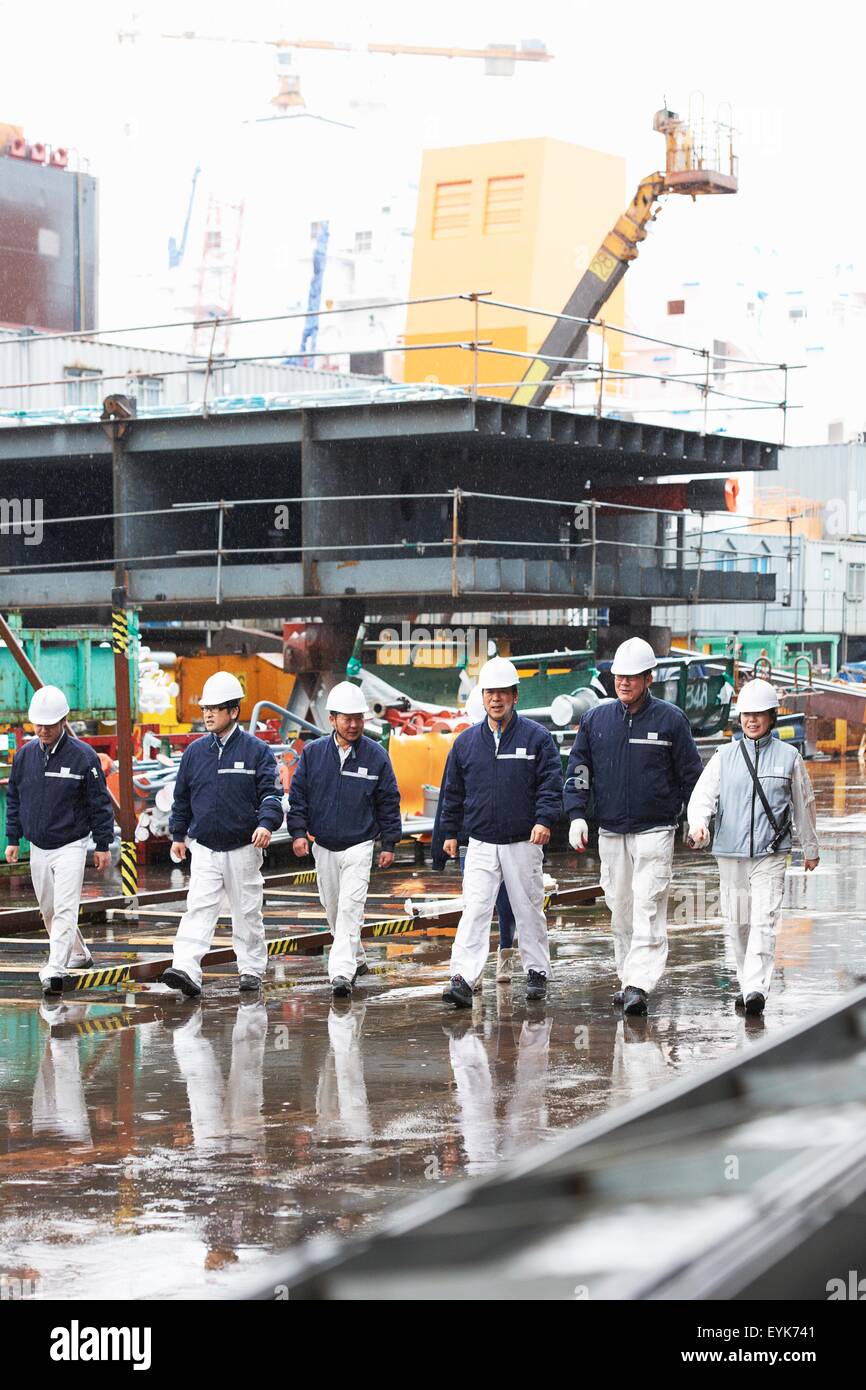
(499, 58)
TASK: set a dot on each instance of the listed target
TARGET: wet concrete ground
(151, 1148)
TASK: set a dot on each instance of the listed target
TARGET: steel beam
(546, 428)
(267, 588)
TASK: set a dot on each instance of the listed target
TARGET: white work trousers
(636, 878)
(343, 877)
(751, 892)
(487, 866)
(57, 876)
(238, 873)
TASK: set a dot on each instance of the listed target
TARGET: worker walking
(637, 756)
(504, 788)
(505, 917)
(759, 791)
(228, 800)
(344, 796)
(57, 798)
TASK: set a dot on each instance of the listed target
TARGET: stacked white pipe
(156, 687)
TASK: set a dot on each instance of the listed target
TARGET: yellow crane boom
(686, 171)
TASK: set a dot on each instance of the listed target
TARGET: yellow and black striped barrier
(120, 632)
(96, 979)
(283, 946)
(128, 869)
(398, 926)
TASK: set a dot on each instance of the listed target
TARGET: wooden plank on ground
(296, 943)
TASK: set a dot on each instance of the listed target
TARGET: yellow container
(418, 759)
(261, 677)
(520, 218)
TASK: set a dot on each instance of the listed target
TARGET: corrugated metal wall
(820, 471)
(31, 359)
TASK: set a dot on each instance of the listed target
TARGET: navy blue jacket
(344, 806)
(499, 797)
(52, 803)
(642, 768)
(220, 799)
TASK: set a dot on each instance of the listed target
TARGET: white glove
(699, 835)
(578, 834)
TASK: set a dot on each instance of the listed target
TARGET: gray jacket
(725, 788)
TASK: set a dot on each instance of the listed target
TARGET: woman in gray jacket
(759, 791)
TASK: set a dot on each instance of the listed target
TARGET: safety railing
(592, 383)
(682, 550)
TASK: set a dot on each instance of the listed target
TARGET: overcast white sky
(146, 112)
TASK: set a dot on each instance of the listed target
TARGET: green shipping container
(77, 659)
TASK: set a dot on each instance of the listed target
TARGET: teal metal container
(7, 743)
(77, 659)
(782, 648)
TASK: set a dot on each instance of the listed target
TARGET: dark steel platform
(367, 515)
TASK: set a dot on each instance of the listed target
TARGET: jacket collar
(55, 748)
(644, 709)
(508, 732)
(215, 739)
(48, 753)
(759, 743)
(353, 747)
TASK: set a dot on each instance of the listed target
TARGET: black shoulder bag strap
(781, 830)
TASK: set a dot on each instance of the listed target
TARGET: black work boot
(633, 1000)
(178, 979)
(755, 1003)
(249, 983)
(341, 988)
(458, 992)
(536, 985)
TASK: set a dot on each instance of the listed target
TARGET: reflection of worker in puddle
(341, 1098)
(525, 1111)
(59, 1106)
(226, 1117)
(641, 1060)
(475, 1104)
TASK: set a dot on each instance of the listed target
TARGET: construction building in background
(74, 375)
(48, 237)
(521, 219)
(808, 531)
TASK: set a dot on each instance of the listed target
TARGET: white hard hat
(220, 688)
(633, 657)
(48, 706)
(498, 674)
(757, 697)
(346, 698)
